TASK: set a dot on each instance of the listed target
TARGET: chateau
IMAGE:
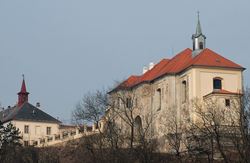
(166, 91)
(36, 127)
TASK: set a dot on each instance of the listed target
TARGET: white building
(36, 127)
(165, 91)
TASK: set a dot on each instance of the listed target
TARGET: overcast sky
(66, 48)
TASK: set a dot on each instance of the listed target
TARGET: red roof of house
(211, 59)
(153, 73)
(132, 80)
(179, 63)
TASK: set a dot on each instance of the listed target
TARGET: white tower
(199, 40)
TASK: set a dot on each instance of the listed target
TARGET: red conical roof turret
(23, 88)
(23, 95)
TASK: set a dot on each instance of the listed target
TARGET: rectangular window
(128, 103)
(227, 102)
(26, 129)
(119, 103)
(217, 84)
(25, 143)
(35, 143)
(48, 130)
(184, 91)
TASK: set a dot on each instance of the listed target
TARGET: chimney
(151, 65)
(144, 70)
(38, 105)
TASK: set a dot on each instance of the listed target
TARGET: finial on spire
(198, 27)
(198, 14)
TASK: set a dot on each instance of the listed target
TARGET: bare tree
(91, 108)
(214, 128)
(174, 136)
(136, 123)
(123, 108)
(240, 134)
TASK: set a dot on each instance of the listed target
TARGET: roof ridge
(187, 50)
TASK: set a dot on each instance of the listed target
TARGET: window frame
(216, 85)
(201, 45)
(48, 130)
(25, 143)
(129, 103)
(159, 94)
(26, 129)
(227, 102)
(184, 91)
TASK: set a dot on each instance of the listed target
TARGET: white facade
(34, 131)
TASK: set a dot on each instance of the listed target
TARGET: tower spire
(198, 27)
(23, 95)
(199, 40)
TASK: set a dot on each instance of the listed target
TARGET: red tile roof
(179, 63)
(132, 80)
(153, 73)
(211, 59)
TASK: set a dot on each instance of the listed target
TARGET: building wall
(200, 83)
(170, 107)
(231, 80)
(36, 129)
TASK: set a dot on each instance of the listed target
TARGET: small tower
(199, 40)
(23, 95)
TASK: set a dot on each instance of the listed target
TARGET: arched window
(158, 99)
(138, 128)
(184, 91)
(201, 45)
(217, 83)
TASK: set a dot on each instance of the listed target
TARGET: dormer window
(217, 83)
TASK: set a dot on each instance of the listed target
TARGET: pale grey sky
(66, 48)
